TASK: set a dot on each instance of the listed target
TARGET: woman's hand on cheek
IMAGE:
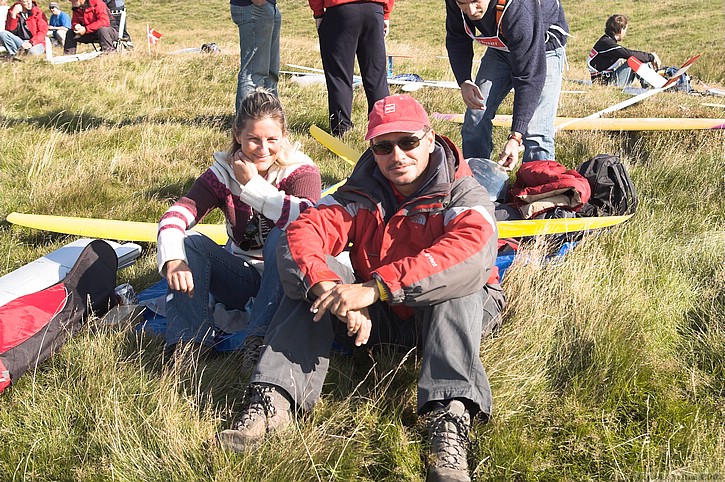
(244, 169)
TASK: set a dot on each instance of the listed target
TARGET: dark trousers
(346, 31)
(448, 334)
(105, 36)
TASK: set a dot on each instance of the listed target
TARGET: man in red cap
(424, 242)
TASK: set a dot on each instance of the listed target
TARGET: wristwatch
(517, 137)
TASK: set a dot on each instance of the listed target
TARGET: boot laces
(449, 437)
(260, 404)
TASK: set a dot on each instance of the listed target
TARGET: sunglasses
(407, 143)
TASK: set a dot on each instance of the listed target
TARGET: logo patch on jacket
(418, 219)
(431, 259)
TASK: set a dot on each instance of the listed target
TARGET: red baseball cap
(396, 113)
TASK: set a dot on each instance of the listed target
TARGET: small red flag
(154, 36)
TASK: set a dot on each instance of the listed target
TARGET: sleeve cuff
(256, 192)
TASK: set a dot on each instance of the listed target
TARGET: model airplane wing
(611, 123)
(646, 73)
(636, 98)
(347, 153)
(407, 85)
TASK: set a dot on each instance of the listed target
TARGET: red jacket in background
(36, 22)
(93, 14)
(319, 6)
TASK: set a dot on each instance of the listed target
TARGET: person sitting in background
(58, 25)
(261, 185)
(90, 23)
(25, 29)
(607, 62)
(120, 5)
(424, 243)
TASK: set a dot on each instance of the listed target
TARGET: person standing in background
(348, 28)
(525, 42)
(259, 23)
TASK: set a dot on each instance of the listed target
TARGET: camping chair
(118, 20)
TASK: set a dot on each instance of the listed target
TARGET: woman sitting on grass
(261, 185)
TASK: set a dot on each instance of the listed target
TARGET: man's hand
(178, 275)
(318, 22)
(244, 169)
(386, 28)
(80, 29)
(472, 96)
(27, 45)
(509, 157)
(342, 298)
(359, 322)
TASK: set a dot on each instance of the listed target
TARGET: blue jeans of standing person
(259, 30)
(13, 44)
(494, 79)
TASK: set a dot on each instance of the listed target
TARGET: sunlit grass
(609, 366)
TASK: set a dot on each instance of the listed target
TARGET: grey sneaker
(269, 410)
(448, 443)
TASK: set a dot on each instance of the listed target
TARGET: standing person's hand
(386, 27)
(178, 275)
(318, 22)
(472, 96)
(244, 169)
(509, 157)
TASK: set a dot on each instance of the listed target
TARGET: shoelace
(260, 404)
(252, 349)
(452, 450)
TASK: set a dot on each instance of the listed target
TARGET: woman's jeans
(229, 280)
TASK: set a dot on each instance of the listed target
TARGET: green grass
(609, 366)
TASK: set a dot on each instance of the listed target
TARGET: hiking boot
(269, 410)
(251, 351)
(448, 443)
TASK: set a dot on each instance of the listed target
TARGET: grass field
(609, 366)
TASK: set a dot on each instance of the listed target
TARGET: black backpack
(36, 325)
(613, 192)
